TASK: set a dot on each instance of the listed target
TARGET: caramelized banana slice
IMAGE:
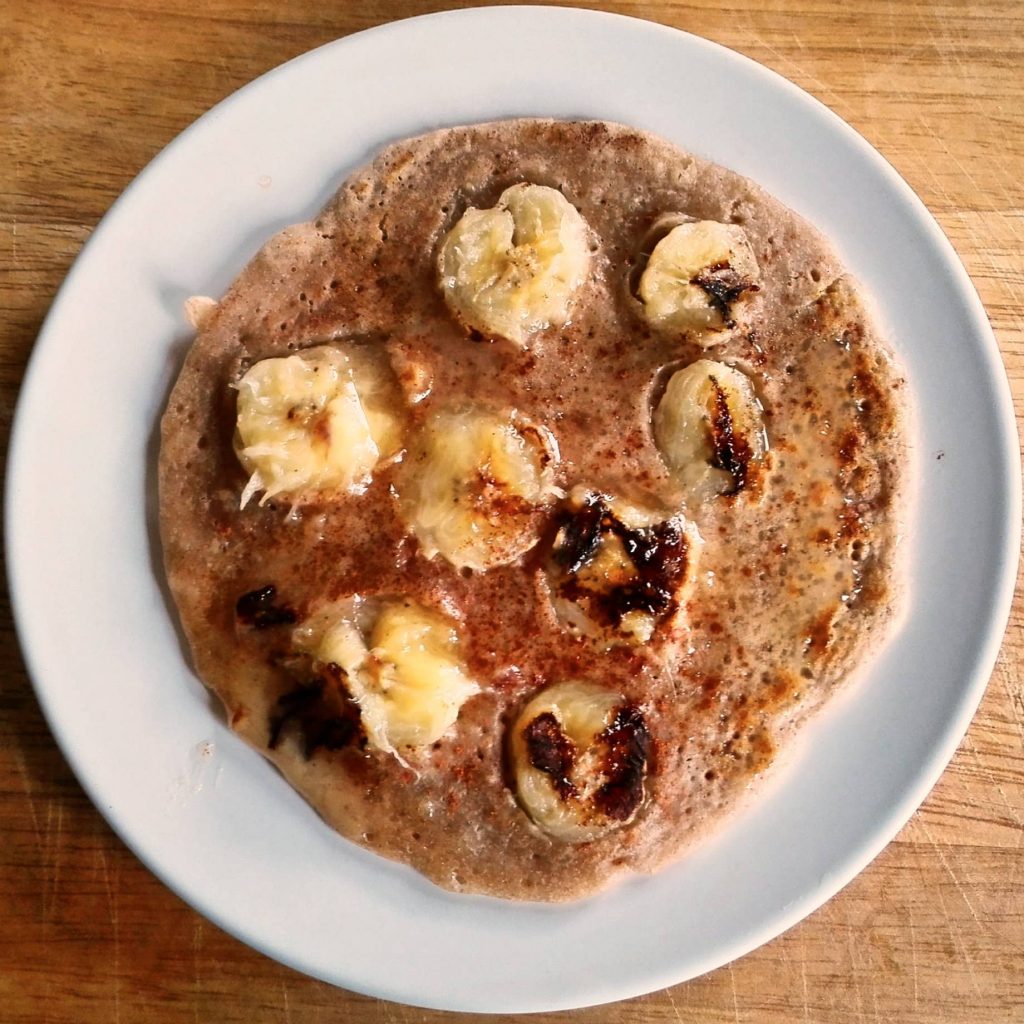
(709, 428)
(475, 485)
(312, 422)
(696, 277)
(617, 572)
(580, 754)
(401, 664)
(514, 270)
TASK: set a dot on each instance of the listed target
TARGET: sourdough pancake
(522, 505)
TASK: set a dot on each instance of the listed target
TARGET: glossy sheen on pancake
(799, 572)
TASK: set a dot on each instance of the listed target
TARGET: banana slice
(709, 428)
(513, 270)
(401, 664)
(475, 485)
(617, 572)
(311, 422)
(580, 755)
(696, 277)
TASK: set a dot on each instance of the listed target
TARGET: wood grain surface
(932, 931)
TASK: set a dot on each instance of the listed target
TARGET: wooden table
(932, 931)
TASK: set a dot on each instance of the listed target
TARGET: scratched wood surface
(932, 931)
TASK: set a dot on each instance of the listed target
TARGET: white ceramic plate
(208, 815)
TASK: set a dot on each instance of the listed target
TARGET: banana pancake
(522, 505)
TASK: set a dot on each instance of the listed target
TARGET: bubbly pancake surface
(794, 577)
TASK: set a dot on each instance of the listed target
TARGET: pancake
(628, 628)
